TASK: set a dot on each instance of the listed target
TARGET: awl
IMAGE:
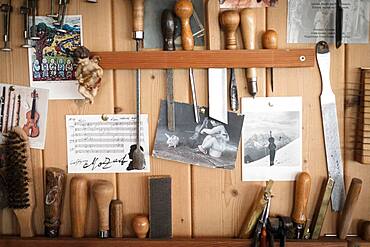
(217, 77)
(330, 125)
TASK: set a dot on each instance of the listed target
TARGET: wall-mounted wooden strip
(207, 59)
(42, 242)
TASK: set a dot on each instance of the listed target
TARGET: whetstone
(160, 207)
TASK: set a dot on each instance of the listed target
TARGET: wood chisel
(168, 31)
(345, 219)
(248, 29)
(322, 207)
(229, 21)
(270, 41)
(184, 10)
(217, 77)
(302, 192)
(6, 8)
(330, 126)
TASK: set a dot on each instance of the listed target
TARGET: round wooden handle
(140, 224)
(79, 197)
(184, 10)
(116, 219)
(103, 194)
(229, 21)
(349, 207)
(270, 39)
(138, 15)
(248, 28)
(302, 192)
(168, 30)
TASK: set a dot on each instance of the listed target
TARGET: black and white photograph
(208, 143)
(272, 138)
(310, 21)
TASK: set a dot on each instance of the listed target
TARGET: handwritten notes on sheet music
(101, 144)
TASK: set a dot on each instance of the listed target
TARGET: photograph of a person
(272, 138)
(208, 143)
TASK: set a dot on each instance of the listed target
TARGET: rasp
(330, 126)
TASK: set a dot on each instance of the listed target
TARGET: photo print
(272, 138)
(209, 143)
(51, 62)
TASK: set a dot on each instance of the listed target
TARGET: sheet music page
(101, 143)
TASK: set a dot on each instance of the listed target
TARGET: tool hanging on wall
(217, 77)
(302, 192)
(33, 6)
(62, 10)
(52, 10)
(55, 187)
(137, 151)
(25, 11)
(168, 31)
(184, 10)
(103, 194)
(248, 30)
(262, 236)
(6, 8)
(229, 21)
(330, 124)
(79, 197)
(270, 41)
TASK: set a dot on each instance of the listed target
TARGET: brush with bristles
(19, 179)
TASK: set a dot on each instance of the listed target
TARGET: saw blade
(330, 126)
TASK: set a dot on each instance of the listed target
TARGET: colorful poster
(272, 138)
(51, 62)
(24, 107)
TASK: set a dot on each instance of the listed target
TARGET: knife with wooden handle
(217, 77)
(248, 30)
(229, 21)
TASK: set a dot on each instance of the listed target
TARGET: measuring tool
(330, 124)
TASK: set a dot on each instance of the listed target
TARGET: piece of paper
(310, 21)
(272, 138)
(101, 143)
(209, 143)
(241, 4)
(24, 107)
(51, 62)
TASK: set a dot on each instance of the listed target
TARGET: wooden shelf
(286, 58)
(124, 242)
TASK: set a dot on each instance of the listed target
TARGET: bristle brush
(19, 179)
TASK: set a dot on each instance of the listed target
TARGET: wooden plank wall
(206, 202)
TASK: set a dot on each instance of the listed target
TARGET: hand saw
(330, 125)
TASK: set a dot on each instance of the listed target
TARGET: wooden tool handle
(55, 187)
(140, 224)
(365, 230)
(270, 39)
(229, 21)
(248, 30)
(79, 197)
(168, 30)
(184, 10)
(138, 15)
(116, 219)
(103, 194)
(302, 192)
(349, 206)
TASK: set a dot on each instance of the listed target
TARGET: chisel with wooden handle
(248, 30)
(168, 32)
(217, 77)
(345, 219)
(229, 21)
(184, 10)
(302, 192)
(330, 126)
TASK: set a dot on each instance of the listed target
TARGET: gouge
(184, 10)
(229, 21)
(302, 192)
(248, 29)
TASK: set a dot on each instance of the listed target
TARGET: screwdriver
(269, 41)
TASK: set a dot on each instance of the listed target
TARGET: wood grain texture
(301, 195)
(78, 201)
(42, 242)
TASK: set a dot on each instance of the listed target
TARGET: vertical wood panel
(132, 189)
